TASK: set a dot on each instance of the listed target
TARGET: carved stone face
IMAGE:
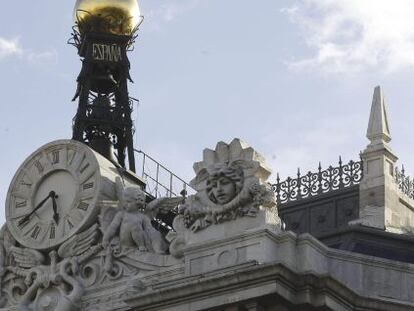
(224, 183)
(134, 199)
(222, 190)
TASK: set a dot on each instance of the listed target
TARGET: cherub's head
(133, 199)
(224, 183)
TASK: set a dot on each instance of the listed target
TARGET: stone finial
(379, 201)
(378, 129)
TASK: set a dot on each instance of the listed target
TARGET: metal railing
(323, 181)
(405, 183)
(161, 182)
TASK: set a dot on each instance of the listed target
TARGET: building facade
(83, 234)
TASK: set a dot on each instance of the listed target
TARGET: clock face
(53, 194)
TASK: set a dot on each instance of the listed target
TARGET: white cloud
(49, 57)
(355, 35)
(9, 48)
(169, 11)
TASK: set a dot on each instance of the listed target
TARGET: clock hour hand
(27, 217)
(55, 213)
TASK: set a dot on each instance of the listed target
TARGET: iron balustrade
(162, 182)
(323, 181)
(405, 183)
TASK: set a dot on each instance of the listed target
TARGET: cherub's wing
(79, 243)
(2, 257)
(162, 206)
(9, 241)
(106, 217)
(6, 238)
(27, 258)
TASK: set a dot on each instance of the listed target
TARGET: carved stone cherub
(131, 222)
(132, 226)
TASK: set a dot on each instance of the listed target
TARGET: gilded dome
(107, 16)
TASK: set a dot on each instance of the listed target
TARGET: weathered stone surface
(298, 268)
(236, 257)
(232, 197)
(382, 204)
(51, 272)
(378, 126)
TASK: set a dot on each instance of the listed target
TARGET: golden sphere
(119, 17)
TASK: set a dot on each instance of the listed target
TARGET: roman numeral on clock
(35, 232)
(84, 168)
(70, 156)
(52, 234)
(24, 183)
(70, 224)
(21, 204)
(55, 157)
(39, 166)
(88, 185)
(83, 206)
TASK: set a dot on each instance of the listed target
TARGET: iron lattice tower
(103, 119)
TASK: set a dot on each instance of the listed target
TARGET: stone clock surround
(78, 174)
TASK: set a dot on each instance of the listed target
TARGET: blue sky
(294, 79)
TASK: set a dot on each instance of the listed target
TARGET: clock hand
(27, 217)
(55, 213)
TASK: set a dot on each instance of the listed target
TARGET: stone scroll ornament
(6, 242)
(53, 282)
(231, 182)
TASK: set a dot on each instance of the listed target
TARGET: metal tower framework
(103, 119)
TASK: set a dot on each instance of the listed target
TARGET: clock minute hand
(27, 217)
(55, 213)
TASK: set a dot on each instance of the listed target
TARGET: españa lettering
(106, 52)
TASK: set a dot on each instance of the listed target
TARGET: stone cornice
(305, 289)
